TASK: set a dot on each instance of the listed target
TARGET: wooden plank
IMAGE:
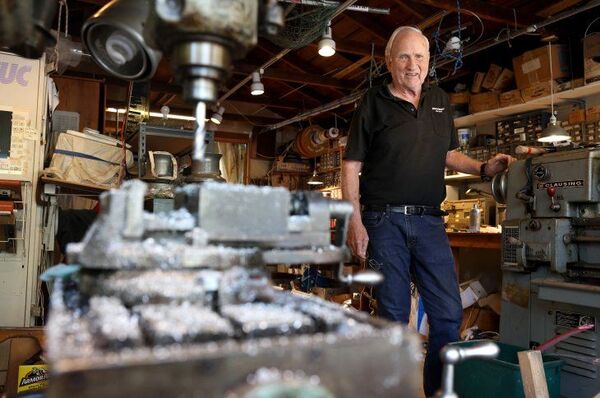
(484, 10)
(284, 74)
(556, 8)
(475, 240)
(81, 96)
(409, 9)
(533, 375)
(351, 68)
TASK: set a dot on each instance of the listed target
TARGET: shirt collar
(384, 91)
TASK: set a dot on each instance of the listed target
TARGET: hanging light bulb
(256, 88)
(327, 44)
(553, 132)
(217, 117)
(315, 179)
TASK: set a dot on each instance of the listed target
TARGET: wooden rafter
(411, 10)
(283, 74)
(490, 12)
(556, 8)
(351, 68)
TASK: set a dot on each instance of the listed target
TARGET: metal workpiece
(231, 342)
(160, 296)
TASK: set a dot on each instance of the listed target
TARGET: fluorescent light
(172, 116)
(115, 110)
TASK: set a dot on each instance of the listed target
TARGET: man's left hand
(498, 164)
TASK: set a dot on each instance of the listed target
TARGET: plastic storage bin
(500, 377)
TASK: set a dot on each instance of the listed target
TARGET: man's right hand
(358, 239)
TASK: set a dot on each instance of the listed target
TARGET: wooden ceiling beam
(282, 74)
(232, 116)
(369, 25)
(351, 68)
(487, 11)
(294, 62)
(557, 7)
(409, 9)
(269, 102)
(357, 48)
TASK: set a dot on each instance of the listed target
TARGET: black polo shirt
(403, 149)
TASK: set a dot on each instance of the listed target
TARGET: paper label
(531, 66)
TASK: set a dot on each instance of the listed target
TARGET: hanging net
(303, 23)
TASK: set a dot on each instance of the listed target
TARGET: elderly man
(401, 137)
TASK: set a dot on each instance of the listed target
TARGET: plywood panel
(82, 96)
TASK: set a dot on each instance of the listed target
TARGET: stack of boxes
(495, 80)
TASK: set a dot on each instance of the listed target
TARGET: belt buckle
(408, 210)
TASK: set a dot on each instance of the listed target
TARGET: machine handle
(452, 354)
(368, 277)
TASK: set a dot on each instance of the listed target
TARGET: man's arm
(460, 162)
(358, 239)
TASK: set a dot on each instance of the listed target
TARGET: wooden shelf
(536, 104)
(329, 189)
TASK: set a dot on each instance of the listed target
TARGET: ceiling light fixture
(257, 87)
(327, 44)
(553, 132)
(315, 179)
(217, 117)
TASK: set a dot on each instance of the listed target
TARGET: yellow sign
(32, 378)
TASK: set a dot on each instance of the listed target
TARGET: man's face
(409, 61)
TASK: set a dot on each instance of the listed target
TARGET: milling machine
(178, 303)
(551, 259)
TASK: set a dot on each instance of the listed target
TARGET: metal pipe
(371, 10)
(323, 108)
(277, 57)
(491, 42)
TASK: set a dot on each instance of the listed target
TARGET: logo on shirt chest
(438, 110)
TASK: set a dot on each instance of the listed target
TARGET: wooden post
(532, 373)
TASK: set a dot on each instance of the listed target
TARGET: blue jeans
(401, 245)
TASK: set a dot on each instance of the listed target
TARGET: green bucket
(500, 377)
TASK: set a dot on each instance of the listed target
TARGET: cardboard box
(471, 292)
(504, 80)
(577, 116)
(477, 81)
(459, 98)
(491, 76)
(593, 113)
(537, 90)
(512, 97)
(298, 167)
(534, 66)
(483, 102)
(591, 58)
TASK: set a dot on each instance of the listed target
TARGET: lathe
(551, 259)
